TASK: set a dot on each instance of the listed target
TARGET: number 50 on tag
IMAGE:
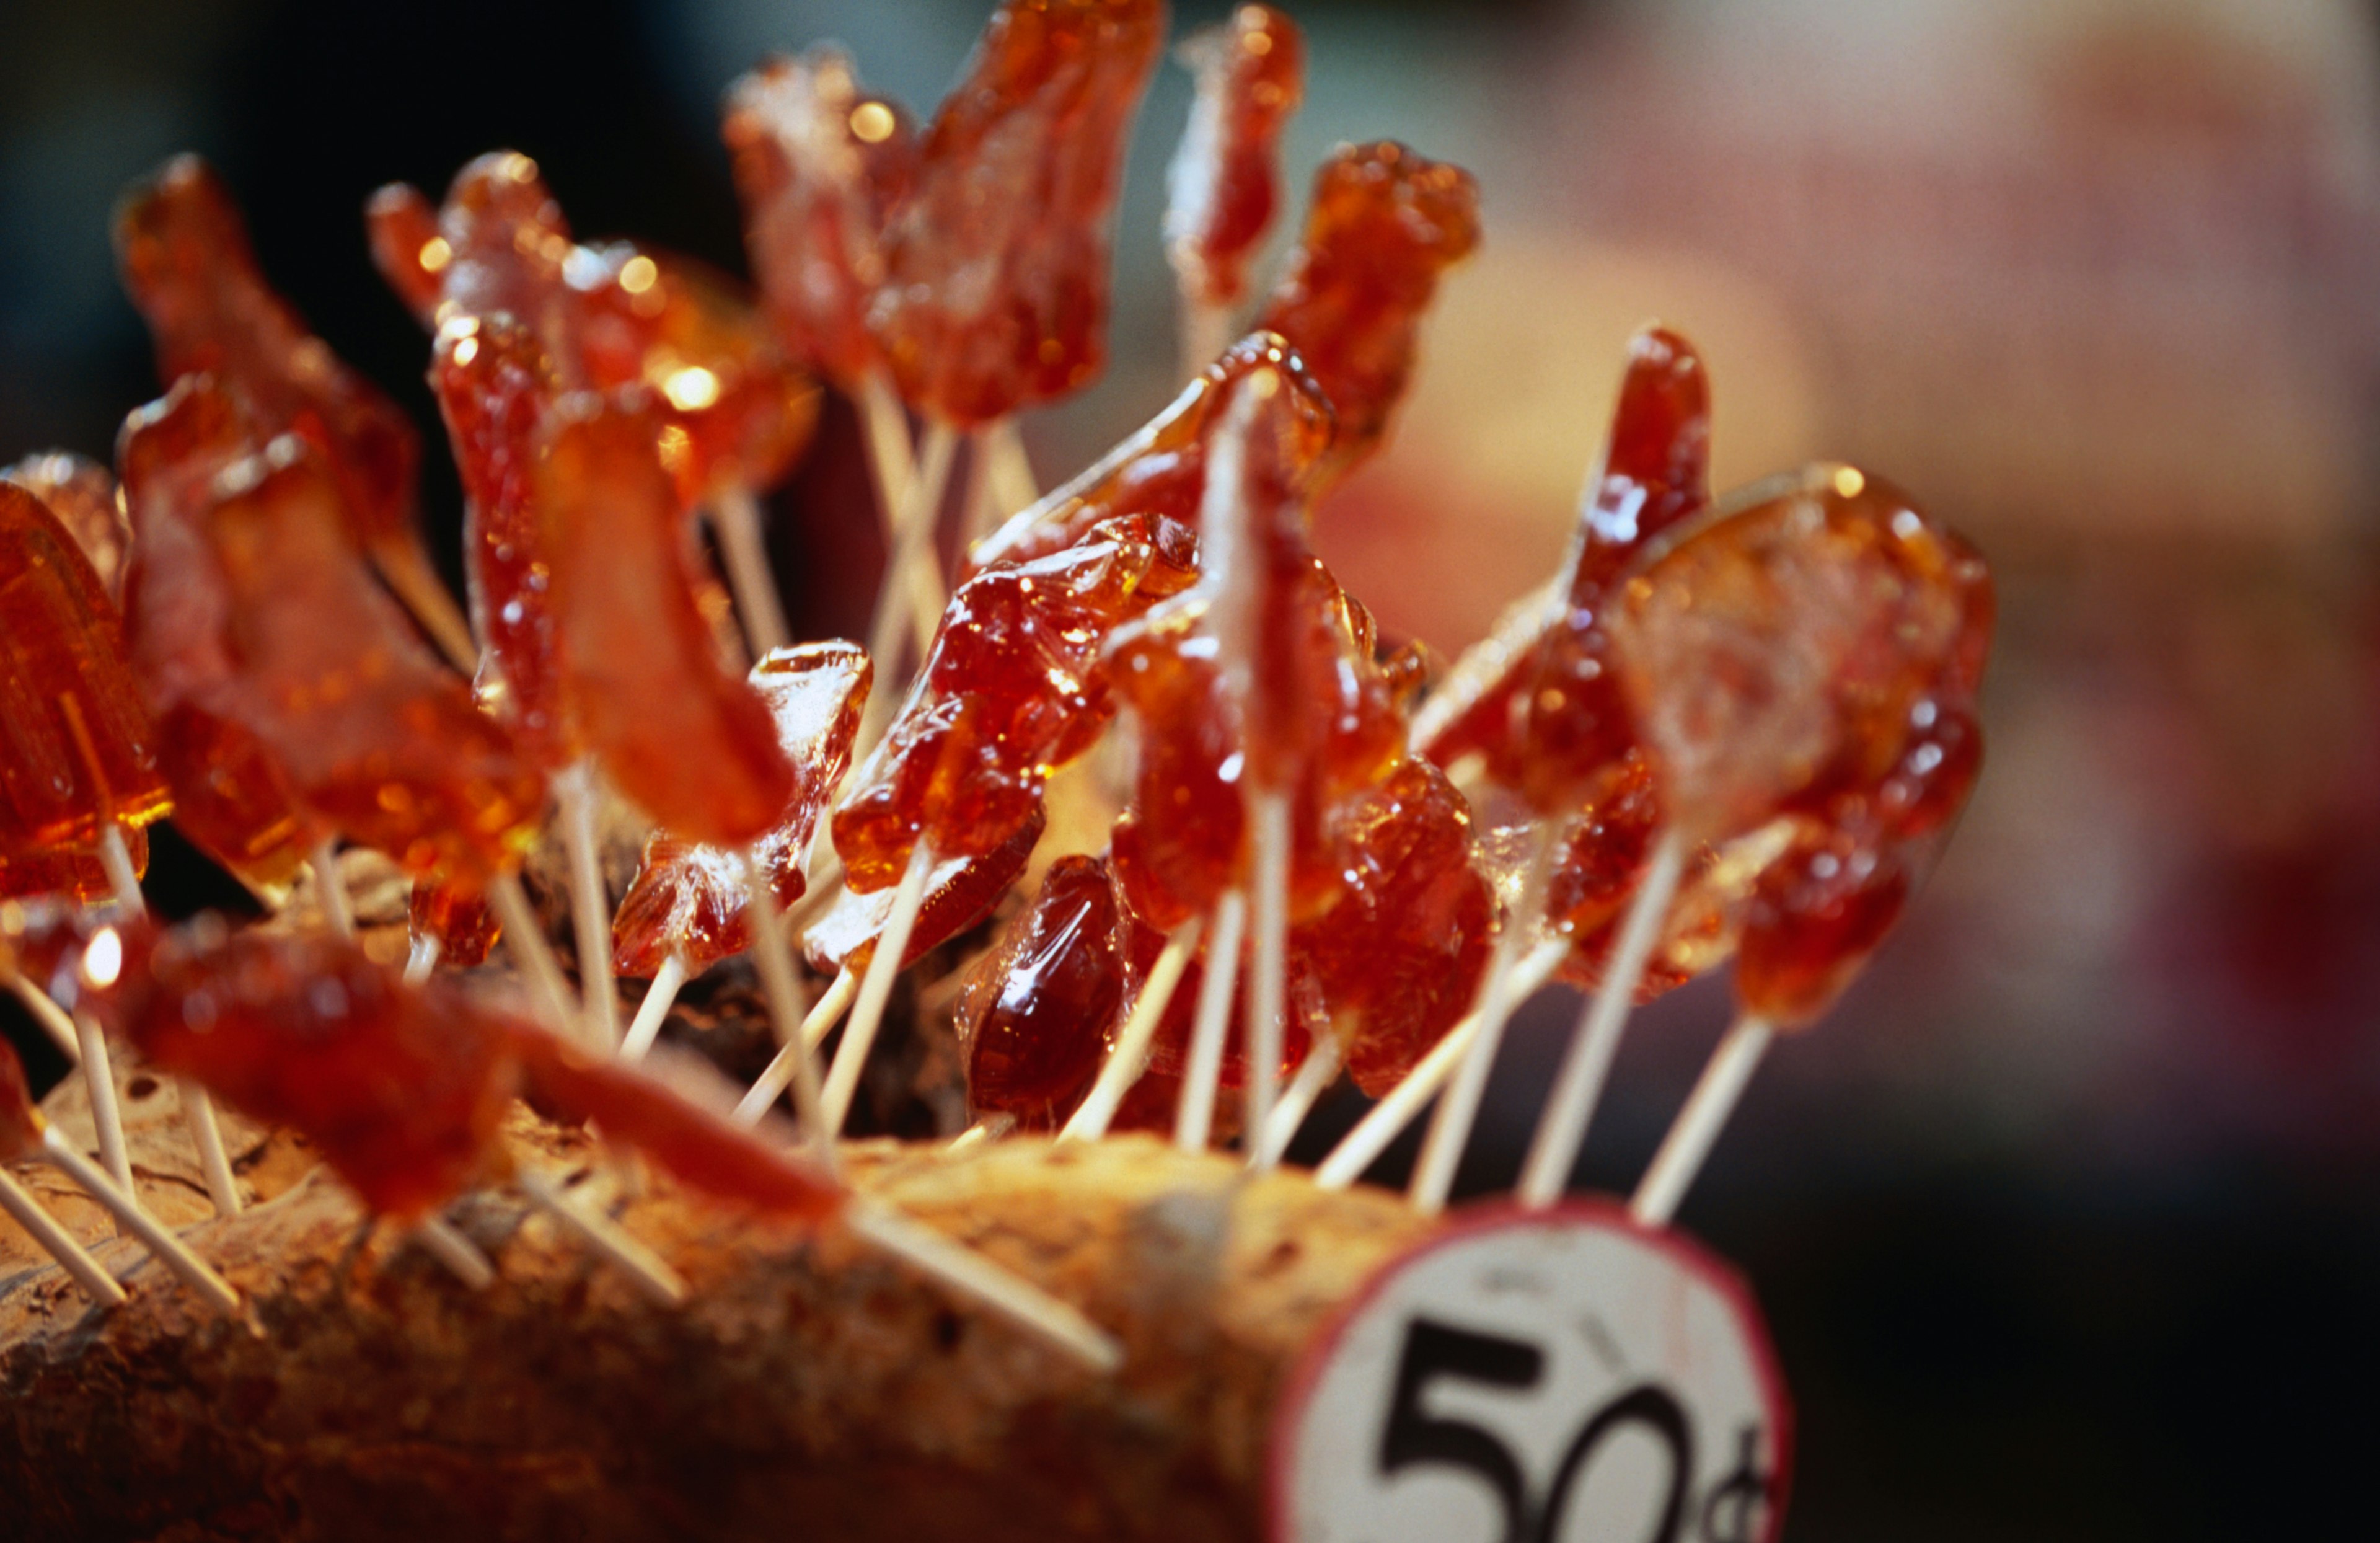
(1542, 1376)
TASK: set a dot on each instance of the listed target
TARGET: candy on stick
(448, 923)
(1223, 186)
(84, 497)
(188, 264)
(21, 1129)
(1384, 226)
(1043, 997)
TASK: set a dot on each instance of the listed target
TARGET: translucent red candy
(996, 289)
(77, 875)
(1224, 185)
(79, 753)
(692, 743)
(1012, 688)
(960, 891)
(82, 494)
(187, 260)
(1384, 225)
(1161, 470)
(689, 899)
(455, 917)
(820, 165)
(233, 797)
(1035, 1017)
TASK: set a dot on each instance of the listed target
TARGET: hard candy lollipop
(83, 496)
(1223, 186)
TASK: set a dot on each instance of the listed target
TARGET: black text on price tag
(1548, 1376)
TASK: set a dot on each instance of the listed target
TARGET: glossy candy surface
(689, 899)
(1224, 187)
(82, 494)
(1037, 1013)
(960, 891)
(455, 915)
(996, 289)
(78, 750)
(77, 875)
(1384, 226)
(820, 164)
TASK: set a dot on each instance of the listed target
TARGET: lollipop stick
(774, 958)
(912, 543)
(116, 858)
(330, 891)
(1268, 974)
(525, 936)
(59, 1244)
(170, 1250)
(441, 1241)
(876, 987)
(1561, 1129)
(890, 460)
(1193, 1114)
(1450, 1129)
(1698, 1126)
(736, 518)
(591, 908)
(422, 960)
(106, 1115)
(198, 1113)
(1206, 333)
(1387, 1120)
(1130, 1056)
(992, 1127)
(406, 571)
(988, 1285)
(792, 1058)
(1316, 1071)
(52, 1019)
(645, 1027)
(610, 1241)
(1010, 468)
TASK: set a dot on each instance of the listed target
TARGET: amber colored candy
(960, 891)
(456, 916)
(996, 290)
(78, 875)
(82, 494)
(1012, 688)
(1224, 185)
(1161, 470)
(820, 165)
(1385, 225)
(688, 899)
(1813, 920)
(79, 753)
(497, 246)
(691, 744)
(186, 262)
(1036, 1014)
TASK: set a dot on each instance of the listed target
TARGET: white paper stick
(1193, 1113)
(1449, 1127)
(793, 1059)
(651, 1012)
(526, 938)
(1268, 1025)
(919, 520)
(1130, 1057)
(787, 1013)
(117, 859)
(989, 1285)
(1316, 1071)
(59, 1244)
(890, 464)
(330, 891)
(1561, 1129)
(876, 987)
(736, 519)
(199, 1113)
(1009, 467)
(1387, 1120)
(52, 1019)
(1698, 1124)
(406, 572)
(106, 1112)
(442, 1241)
(170, 1251)
(590, 907)
(992, 1127)
(610, 1241)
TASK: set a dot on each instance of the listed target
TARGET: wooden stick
(651, 1012)
(1193, 1113)
(736, 519)
(992, 1127)
(59, 1244)
(106, 1112)
(973, 1276)
(1450, 1127)
(1561, 1129)
(890, 464)
(1387, 1120)
(876, 987)
(52, 1019)
(794, 1057)
(198, 1113)
(406, 571)
(1698, 1124)
(526, 938)
(590, 907)
(1206, 333)
(330, 890)
(170, 1250)
(610, 1241)
(1130, 1057)
(442, 1241)
(1009, 470)
(915, 543)
(117, 859)
(1316, 1071)
(787, 1015)
(1267, 1026)
(422, 960)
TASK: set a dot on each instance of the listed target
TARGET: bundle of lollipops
(360, 1237)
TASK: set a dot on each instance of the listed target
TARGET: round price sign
(1538, 1376)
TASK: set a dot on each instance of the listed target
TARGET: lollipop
(83, 496)
(1224, 185)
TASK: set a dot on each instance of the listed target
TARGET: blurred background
(2067, 1223)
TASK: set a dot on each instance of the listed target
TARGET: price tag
(1539, 1377)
